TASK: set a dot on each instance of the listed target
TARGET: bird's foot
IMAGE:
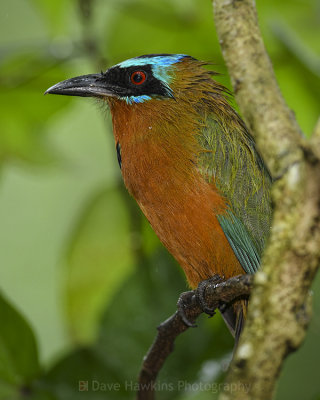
(183, 304)
(201, 292)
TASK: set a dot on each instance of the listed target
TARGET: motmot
(190, 162)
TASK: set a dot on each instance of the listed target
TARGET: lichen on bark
(280, 306)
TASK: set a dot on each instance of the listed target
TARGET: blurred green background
(84, 280)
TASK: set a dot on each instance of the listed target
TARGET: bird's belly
(185, 221)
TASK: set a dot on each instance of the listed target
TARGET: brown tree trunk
(280, 306)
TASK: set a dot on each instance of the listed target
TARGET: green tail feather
(241, 242)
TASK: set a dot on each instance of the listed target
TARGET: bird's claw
(183, 303)
(187, 298)
(200, 294)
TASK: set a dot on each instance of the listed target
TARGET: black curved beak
(93, 85)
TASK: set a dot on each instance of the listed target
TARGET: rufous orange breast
(179, 203)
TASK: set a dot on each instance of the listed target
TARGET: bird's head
(136, 80)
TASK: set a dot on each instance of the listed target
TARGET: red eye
(138, 77)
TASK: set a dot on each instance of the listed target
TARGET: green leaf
(25, 111)
(129, 324)
(80, 375)
(98, 259)
(19, 363)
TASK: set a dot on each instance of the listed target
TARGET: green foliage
(136, 330)
(20, 93)
(19, 364)
(104, 225)
(77, 257)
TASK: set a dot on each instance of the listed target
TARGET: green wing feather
(230, 160)
(241, 242)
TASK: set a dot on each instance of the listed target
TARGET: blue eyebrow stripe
(158, 60)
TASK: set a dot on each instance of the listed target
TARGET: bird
(188, 159)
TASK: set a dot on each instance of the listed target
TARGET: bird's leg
(201, 291)
(221, 292)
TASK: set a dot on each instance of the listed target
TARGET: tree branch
(254, 83)
(279, 310)
(189, 308)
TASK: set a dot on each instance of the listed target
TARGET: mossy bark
(280, 306)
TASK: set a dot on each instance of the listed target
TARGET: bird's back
(231, 162)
